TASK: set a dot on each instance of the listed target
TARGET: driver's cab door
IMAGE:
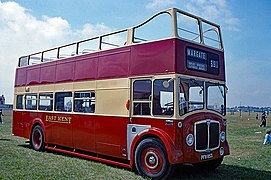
(152, 97)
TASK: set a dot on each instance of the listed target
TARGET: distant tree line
(248, 109)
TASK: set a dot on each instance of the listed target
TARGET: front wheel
(37, 138)
(151, 159)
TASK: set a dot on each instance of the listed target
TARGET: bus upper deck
(167, 38)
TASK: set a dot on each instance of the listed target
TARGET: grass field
(249, 158)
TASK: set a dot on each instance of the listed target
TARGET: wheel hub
(151, 160)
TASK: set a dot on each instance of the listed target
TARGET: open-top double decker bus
(150, 96)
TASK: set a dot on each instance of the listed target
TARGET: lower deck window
(20, 102)
(46, 102)
(84, 102)
(31, 101)
(63, 101)
(142, 90)
(142, 108)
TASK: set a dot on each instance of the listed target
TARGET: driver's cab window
(142, 90)
(191, 95)
(195, 98)
(163, 97)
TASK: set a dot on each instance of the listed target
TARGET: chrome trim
(169, 122)
(208, 122)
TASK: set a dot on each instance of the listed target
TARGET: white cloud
(158, 4)
(22, 34)
(213, 10)
(90, 30)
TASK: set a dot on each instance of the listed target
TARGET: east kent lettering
(59, 119)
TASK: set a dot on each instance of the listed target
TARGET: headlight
(222, 136)
(221, 151)
(190, 139)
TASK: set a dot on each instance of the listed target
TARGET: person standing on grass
(267, 138)
(1, 119)
(263, 122)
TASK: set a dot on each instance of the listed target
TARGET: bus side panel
(83, 132)
(114, 63)
(48, 73)
(157, 123)
(153, 58)
(86, 68)
(28, 118)
(17, 124)
(61, 128)
(33, 75)
(65, 71)
(20, 78)
(111, 136)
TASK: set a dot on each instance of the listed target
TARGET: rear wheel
(151, 159)
(37, 138)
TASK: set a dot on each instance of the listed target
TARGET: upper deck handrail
(130, 38)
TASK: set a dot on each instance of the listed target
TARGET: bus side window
(142, 97)
(84, 102)
(46, 102)
(20, 102)
(31, 101)
(63, 101)
(159, 27)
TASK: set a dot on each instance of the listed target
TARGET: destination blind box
(203, 61)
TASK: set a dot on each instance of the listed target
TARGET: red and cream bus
(150, 96)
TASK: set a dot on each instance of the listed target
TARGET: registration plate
(206, 156)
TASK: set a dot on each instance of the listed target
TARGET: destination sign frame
(203, 61)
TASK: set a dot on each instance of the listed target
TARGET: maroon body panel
(33, 75)
(111, 135)
(20, 77)
(48, 73)
(98, 135)
(85, 132)
(153, 58)
(114, 63)
(65, 71)
(86, 68)
(160, 57)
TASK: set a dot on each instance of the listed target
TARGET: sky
(28, 26)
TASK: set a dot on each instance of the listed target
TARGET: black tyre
(37, 138)
(151, 159)
(209, 165)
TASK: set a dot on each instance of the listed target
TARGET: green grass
(249, 158)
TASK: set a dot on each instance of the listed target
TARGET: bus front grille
(207, 135)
